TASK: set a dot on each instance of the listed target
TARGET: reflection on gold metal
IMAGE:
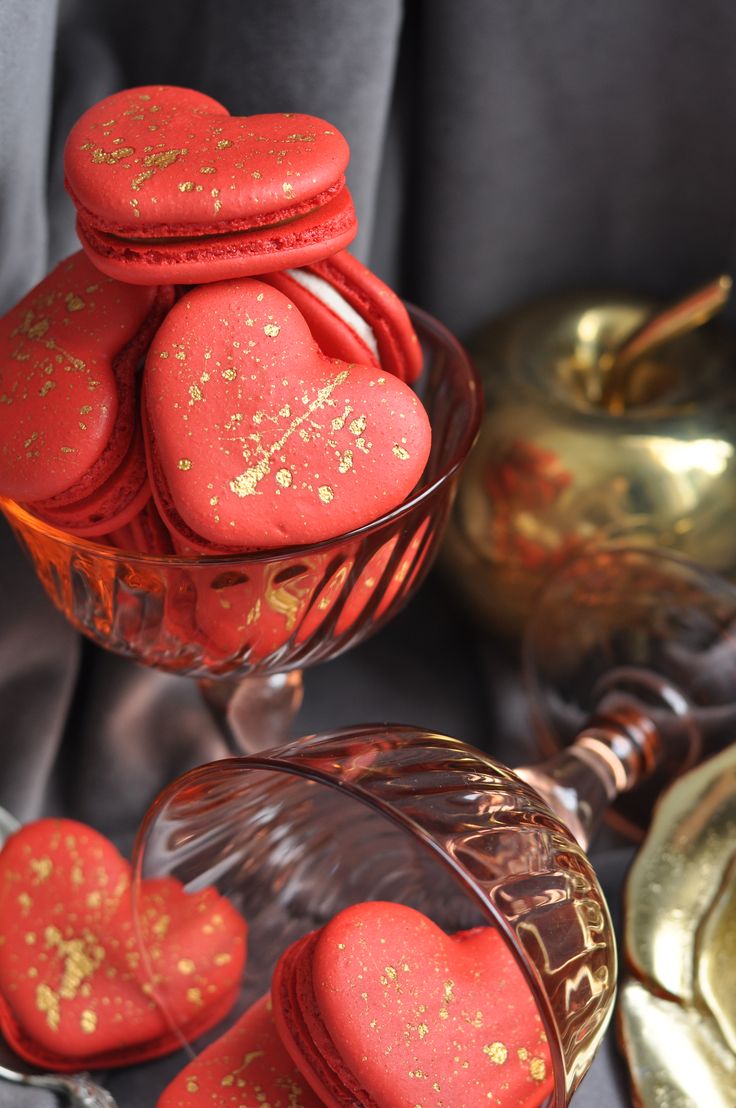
(554, 470)
(664, 325)
(677, 1022)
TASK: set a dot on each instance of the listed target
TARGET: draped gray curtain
(500, 149)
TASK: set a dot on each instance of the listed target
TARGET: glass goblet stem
(608, 757)
(255, 712)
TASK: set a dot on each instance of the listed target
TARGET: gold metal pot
(554, 470)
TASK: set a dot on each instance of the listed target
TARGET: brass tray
(677, 1005)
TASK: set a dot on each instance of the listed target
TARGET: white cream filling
(330, 297)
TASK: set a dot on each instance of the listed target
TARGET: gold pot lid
(677, 1007)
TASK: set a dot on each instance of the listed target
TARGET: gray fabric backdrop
(500, 149)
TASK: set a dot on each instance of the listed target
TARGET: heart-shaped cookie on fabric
(380, 1007)
(74, 988)
(247, 1065)
(257, 440)
(169, 187)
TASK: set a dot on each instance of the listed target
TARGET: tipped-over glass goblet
(629, 658)
(246, 624)
(630, 667)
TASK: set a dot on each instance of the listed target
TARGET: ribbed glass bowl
(396, 814)
(274, 611)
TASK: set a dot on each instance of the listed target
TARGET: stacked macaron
(266, 407)
(380, 1008)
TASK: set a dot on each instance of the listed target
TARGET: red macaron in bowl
(170, 188)
(70, 355)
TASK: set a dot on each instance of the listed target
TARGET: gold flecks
(140, 178)
(272, 330)
(399, 452)
(186, 966)
(196, 394)
(301, 138)
(256, 175)
(42, 869)
(184, 464)
(194, 996)
(186, 186)
(164, 354)
(326, 495)
(523, 1053)
(214, 501)
(94, 899)
(346, 462)
(284, 478)
(391, 973)
(419, 1074)
(30, 938)
(358, 426)
(74, 303)
(285, 412)
(164, 158)
(192, 1086)
(537, 1069)
(47, 1002)
(288, 190)
(223, 144)
(423, 1030)
(101, 156)
(85, 409)
(25, 901)
(259, 297)
(88, 1021)
(222, 959)
(497, 1052)
(207, 169)
(161, 926)
(246, 484)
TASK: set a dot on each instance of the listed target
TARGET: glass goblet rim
(431, 326)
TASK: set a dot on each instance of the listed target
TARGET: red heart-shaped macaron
(169, 187)
(248, 1065)
(353, 315)
(74, 986)
(257, 440)
(380, 1007)
(69, 355)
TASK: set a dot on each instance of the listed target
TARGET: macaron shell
(157, 158)
(334, 336)
(59, 396)
(381, 1007)
(114, 504)
(248, 1065)
(228, 255)
(73, 988)
(261, 441)
(399, 348)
